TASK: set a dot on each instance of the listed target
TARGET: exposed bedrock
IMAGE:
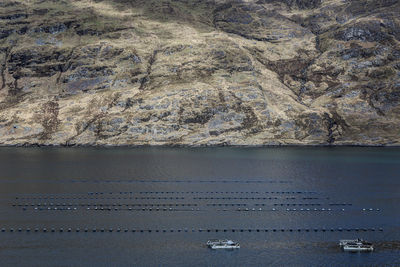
(205, 72)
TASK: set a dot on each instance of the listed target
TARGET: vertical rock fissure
(66, 66)
(330, 122)
(145, 80)
(3, 68)
(335, 125)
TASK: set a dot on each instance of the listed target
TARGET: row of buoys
(235, 198)
(295, 204)
(104, 204)
(142, 209)
(201, 192)
(294, 209)
(58, 206)
(103, 198)
(105, 208)
(226, 204)
(126, 230)
(68, 198)
(323, 209)
(370, 209)
(55, 208)
(274, 209)
(114, 209)
(115, 198)
(165, 192)
(181, 181)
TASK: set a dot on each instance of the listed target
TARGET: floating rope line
(181, 181)
(180, 230)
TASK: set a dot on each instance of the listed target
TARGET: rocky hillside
(199, 72)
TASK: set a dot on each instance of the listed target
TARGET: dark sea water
(158, 206)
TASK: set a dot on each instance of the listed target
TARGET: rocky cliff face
(199, 72)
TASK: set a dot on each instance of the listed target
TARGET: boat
(212, 242)
(222, 244)
(344, 242)
(356, 245)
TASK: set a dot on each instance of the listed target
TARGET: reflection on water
(158, 206)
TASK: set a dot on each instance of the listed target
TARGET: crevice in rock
(297, 68)
(371, 103)
(97, 117)
(14, 89)
(80, 130)
(3, 67)
(146, 79)
(330, 125)
(66, 66)
(335, 125)
(253, 38)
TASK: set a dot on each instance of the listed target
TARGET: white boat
(344, 242)
(222, 244)
(212, 242)
(356, 245)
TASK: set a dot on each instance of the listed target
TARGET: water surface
(296, 202)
